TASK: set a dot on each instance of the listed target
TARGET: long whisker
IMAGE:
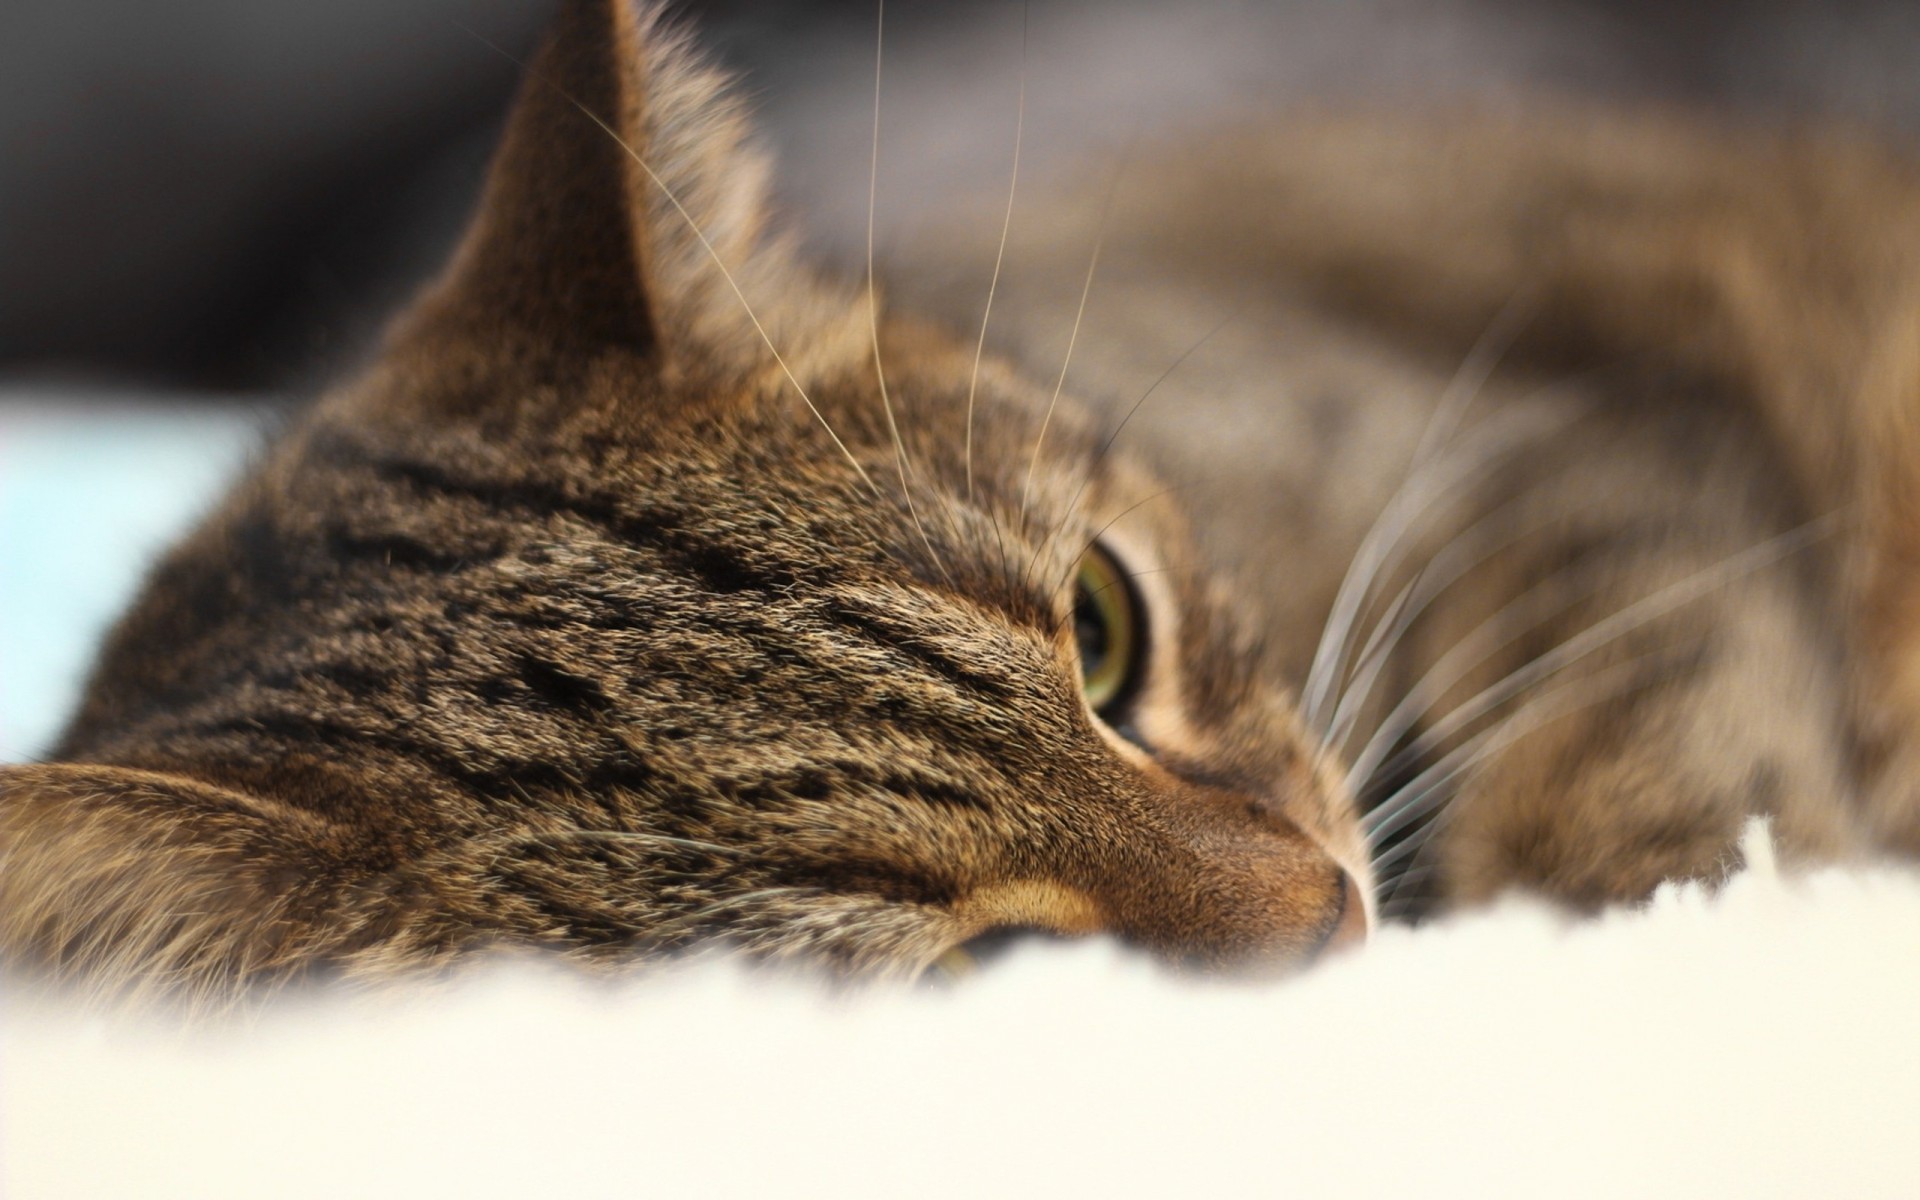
(1406, 802)
(873, 301)
(1387, 544)
(1478, 366)
(1445, 569)
(1588, 640)
(1134, 576)
(1100, 455)
(1074, 563)
(1436, 797)
(1073, 336)
(1401, 612)
(700, 235)
(1504, 627)
(1392, 910)
(1399, 512)
(1006, 225)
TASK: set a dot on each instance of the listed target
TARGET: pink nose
(1350, 930)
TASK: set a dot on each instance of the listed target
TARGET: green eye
(1108, 627)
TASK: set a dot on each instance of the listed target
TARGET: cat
(655, 588)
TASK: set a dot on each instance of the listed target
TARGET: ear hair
(624, 205)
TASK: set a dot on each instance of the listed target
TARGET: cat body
(1617, 458)
(655, 588)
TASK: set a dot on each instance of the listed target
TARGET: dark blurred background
(228, 195)
(224, 194)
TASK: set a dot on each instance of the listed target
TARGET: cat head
(652, 589)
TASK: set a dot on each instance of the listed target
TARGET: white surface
(1765, 1042)
(1759, 1043)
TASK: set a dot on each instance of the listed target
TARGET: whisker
(1362, 572)
(1496, 632)
(1482, 359)
(1437, 804)
(1111, 522)
(1391, 816)
(1599, 634)
(1135, 576)
(1391, 906)
(700, 235)
(1100, 455)
(1006, 225)
(1386, 545)
(1406, 802)
(1401, 613)
(1445, 569)
(873, 302)
(1073, 335)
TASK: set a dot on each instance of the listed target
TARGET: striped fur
(622, 606)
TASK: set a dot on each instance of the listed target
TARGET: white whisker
(1402, 611)
(1436, 797)
(1444, 570)
(873, 302)
(1133, 576)
(1111, 522)
(1073, 335)
(1400, 511)
(1392, 907)
(1411, 799)
(1477, 367)
(1588, 640)
(700, 235)
(1006, 225)
(1496, 632)
(1386, 544)
(1099, 456)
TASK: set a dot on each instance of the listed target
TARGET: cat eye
(1109, 631)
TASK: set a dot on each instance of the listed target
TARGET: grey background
(229, 194)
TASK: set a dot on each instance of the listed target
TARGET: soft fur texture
(1661, 320)
(1759, 1042)
(588, 619)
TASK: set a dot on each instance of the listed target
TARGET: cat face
(652, 590)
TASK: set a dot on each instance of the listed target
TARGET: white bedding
(1761, 1041)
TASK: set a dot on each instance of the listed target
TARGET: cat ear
(132, 880)
(623, 196)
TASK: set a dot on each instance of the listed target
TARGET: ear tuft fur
(625, 205)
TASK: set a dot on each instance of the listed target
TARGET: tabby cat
(654, 588)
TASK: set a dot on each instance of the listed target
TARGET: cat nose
(1349, 931)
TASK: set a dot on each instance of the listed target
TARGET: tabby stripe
(721, 565)
(396, 550)
(562, 690)
(818, 784)
(508, 781)
(908, 643)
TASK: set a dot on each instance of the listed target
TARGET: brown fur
(583, 621)
(571, 625)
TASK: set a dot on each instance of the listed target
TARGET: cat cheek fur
(1205, 703)
(585, 621)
